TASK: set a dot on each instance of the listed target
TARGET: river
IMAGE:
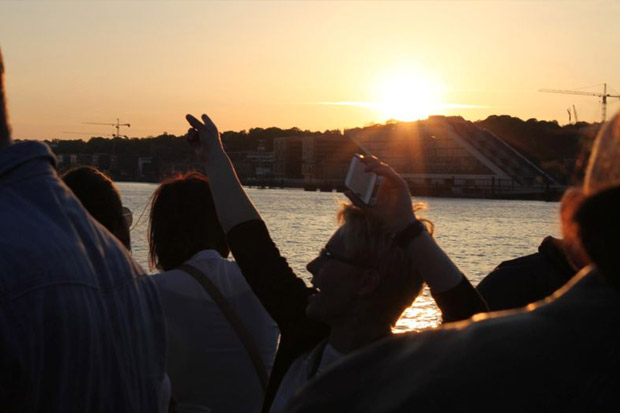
(477, 234)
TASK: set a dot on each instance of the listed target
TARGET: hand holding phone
(365, 185)
(391, 201)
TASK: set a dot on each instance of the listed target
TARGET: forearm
(436, 268)
(231, 202)
(460, 302)
(455, 296)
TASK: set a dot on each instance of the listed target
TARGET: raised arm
(279, 290)
(232, 203)
(453, 293)
(282, 293)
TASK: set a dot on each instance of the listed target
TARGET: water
(476, 234)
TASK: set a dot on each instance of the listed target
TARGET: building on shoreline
(439, 156)
(448, 156)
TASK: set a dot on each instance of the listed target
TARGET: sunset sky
(314, 65)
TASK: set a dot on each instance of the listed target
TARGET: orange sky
(314, 65)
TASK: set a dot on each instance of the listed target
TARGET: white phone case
(363, 184)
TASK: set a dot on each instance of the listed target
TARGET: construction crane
(91, 134)
(570, 115)
(575, 113)
(603, 97)
(117, 125)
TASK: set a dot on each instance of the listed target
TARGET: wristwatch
(409, 233)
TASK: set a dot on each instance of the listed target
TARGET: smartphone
(364, 184)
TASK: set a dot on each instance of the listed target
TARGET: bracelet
(409, 233)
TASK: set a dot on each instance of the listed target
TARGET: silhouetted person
(99, 196)
(81, 328)
(362, 280)
(560, 354)
(209, 366)
(524, 280)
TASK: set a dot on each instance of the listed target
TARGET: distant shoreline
(551, 195)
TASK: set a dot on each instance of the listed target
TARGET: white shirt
(298, 375)
(208, 364)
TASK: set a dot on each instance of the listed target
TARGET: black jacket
(519, 282)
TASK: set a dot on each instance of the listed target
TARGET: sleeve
(281, 292)
(460, 302)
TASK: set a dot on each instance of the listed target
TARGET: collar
(205, 255)
(553, 250)
(314, 358)
(17, 154)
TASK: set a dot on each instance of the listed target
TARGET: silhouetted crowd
(84, 329)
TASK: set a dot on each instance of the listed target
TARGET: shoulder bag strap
(233, 319)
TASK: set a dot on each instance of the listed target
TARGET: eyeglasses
(330, 255)
(127, 216)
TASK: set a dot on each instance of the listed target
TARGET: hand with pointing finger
(204, 136)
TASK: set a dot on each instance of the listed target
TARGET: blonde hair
(604, 166)
(370, 234)
(368, 242)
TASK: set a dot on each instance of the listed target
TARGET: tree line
(559, 150)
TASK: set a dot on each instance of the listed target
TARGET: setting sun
(407, 96)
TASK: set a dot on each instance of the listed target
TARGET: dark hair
(5, 131)
(100, 198)
(183, 222)
(598, 219)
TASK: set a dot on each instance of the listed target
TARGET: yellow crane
(603, 96)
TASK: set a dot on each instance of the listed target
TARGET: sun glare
(407, 96)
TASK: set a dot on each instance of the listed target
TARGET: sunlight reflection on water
(477, 234)
(422, 314)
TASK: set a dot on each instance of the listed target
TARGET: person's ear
(571, 200)
(369, 282)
